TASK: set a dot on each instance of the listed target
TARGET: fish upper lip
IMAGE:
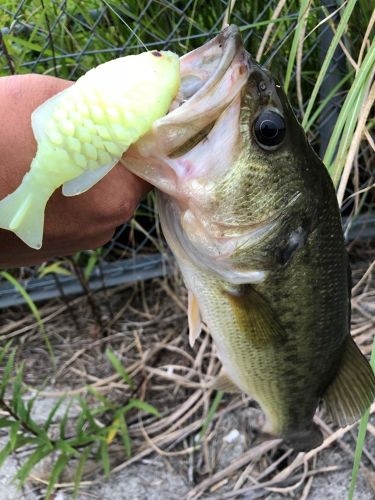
(211, 78)
(232, 33)
(231, 43)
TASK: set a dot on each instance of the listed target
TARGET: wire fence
(67, 38)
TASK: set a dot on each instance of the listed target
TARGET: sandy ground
(157, 477)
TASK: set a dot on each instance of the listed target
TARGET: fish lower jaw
(224, 269)
(214, 253)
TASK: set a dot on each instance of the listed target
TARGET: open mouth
(211, 78)
(202, 68)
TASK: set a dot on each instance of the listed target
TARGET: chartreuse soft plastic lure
(83, 131)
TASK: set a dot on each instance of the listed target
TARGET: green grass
(67, 446)
(33, 308)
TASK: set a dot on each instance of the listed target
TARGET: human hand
(72, 223)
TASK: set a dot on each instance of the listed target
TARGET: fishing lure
(83, 131)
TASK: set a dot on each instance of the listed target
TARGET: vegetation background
(115, 364)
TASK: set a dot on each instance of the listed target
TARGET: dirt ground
(156, 477)
(145, 324)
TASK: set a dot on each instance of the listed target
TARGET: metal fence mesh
(67, 38)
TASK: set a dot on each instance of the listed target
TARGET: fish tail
(22, 212)
(301, 438)
(353, 390)
(304, 440)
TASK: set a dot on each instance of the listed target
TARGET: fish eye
(269, 129)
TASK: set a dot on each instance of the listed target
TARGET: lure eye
(269, 129)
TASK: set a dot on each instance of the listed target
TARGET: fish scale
(256, 371)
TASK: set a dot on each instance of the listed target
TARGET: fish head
(212, 76)
(227, 158)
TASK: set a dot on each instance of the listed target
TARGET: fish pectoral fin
(85, 181)
(224, 383)
(353, 389)
(194, 318)
(260, 322)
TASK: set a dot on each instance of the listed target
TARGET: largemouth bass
(251, 216)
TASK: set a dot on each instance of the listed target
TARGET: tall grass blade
(90, 266)
(211, 412)
(29, 301)
(54, 268)
(293, 50)
(360, 439)
(143, 406)
(343, 24)
(35, 311)
(367, 100)
(116, 363)
(325, 102)
(358, 86)
(335, 169)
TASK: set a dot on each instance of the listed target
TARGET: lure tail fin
(22, 212)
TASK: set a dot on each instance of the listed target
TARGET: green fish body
(83, 131)
(251, 215)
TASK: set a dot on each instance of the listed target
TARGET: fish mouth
(212, 76)
(202, 68)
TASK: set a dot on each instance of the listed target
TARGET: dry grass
(146, 326)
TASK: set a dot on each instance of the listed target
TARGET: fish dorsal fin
(194, 318)
(259, 320)
(86, 180)
(353, 389)
(224, 383)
